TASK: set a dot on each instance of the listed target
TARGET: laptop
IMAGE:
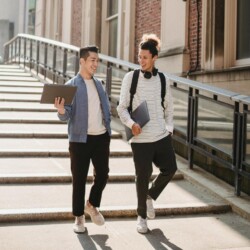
(141, 116)
(51, 91)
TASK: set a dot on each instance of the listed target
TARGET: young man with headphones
(152, 143)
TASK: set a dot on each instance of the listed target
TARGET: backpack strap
(163, 88)
(133, 88)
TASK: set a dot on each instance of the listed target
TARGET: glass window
(243, 29)
(32, 17)
(113, 26)
(112, 7)
(215, 125)
(113, 37)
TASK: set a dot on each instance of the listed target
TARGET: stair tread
(28, 115)
(17, 128)
(46, 144)
(55, 165)
(37, 196)
(19, 90)
(18, 78)
(33, 84)
(21, 97)
(14, 74)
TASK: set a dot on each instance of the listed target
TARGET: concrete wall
(66, 21)
(174, 56)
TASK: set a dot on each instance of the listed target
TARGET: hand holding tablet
(53, 91)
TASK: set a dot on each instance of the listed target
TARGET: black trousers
(95, 149)
(162, 154)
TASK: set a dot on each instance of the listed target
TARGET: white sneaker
(94, 214)
(142, 226)
(79, 224)
(150, 209)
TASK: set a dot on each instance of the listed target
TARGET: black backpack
(134, 86)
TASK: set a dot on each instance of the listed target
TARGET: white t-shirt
(161, 123)
(95, 118)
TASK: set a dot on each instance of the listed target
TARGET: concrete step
(45, 177)
(46, 147)
(165, 232)
(20, 90)
(25, 84)
(18, 78)
(29, 128)
(18, 107)
(67, 178)
(30, 114)
(28, 166)
(43, 134)
(14, 70)
(22, 116)
(9, 66)
(32, 108)
(53, 202)
(15, 73)
(20, 98)
(57, 170)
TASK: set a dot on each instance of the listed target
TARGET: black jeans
(162, 154)
(95, 149)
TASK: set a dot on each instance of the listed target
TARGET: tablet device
(141, 116)
(51, 91)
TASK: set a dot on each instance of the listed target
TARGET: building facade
(205, 40)
(16, 16)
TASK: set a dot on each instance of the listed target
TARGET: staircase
(35, 169)
(35, 184)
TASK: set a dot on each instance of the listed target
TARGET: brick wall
(76, 25)
(147, 20)
(194, 33)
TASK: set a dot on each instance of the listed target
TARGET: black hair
(84, 52)
(150, 42)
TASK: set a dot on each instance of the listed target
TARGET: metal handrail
(204, 107)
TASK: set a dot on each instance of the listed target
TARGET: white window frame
(230, 38)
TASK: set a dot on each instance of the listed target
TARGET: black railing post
(24, 53)
(15, 42)
(244, 135)
(54, 63)
(237, 147)
(45, 59)
(19, 53)
(77, 63)
(37, 56)
(31, 53)
(108, 79)
(190, 122)
(65, 59)
(11, 51)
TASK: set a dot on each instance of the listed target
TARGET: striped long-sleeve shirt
(161, 122)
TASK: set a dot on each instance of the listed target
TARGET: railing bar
(191, 88)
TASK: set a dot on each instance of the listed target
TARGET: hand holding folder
(141, 116)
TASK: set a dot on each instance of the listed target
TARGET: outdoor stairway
(35, 178)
